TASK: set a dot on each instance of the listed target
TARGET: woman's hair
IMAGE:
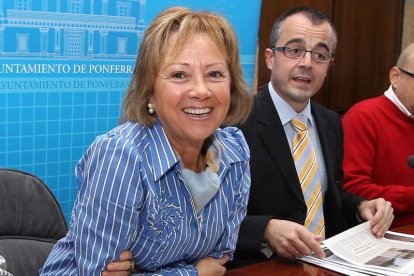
(186, 24)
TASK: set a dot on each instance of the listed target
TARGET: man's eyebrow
(300, 40)
(294, 40)
(323, 45)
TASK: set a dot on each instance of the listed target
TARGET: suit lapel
(272, 134)
(326, 140)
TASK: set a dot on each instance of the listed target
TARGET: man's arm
(287, 239)
(250, 240)
(360, 163)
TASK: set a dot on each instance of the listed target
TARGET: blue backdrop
(64, 68)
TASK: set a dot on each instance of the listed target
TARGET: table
(292, 267)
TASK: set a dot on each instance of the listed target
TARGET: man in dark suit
(301, 51)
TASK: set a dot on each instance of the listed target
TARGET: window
(22, 43)
(122, 45)
(123, 8)
(75, 6)
(74, 44)
(22, 5)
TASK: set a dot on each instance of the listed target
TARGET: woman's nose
(200, 87)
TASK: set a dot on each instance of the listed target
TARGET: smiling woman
(169, 185)
(192, 96)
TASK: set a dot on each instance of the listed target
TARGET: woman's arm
(105, 215)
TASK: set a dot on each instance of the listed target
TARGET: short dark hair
(315, 16)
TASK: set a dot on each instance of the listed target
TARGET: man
(302, 44)
(378, 140)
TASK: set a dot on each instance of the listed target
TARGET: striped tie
(306, 164)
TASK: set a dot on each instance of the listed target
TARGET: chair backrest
(28, 207)
(31, 221)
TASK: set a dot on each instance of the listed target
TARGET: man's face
(297, 80)
(403, 85)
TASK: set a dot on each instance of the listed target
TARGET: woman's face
(192, 91)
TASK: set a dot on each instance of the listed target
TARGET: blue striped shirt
(132, 196)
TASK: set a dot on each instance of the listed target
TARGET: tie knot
(298, 125)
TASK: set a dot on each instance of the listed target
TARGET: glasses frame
(283, 49)
(406, 72)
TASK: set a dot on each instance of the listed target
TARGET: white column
(141, 18)
(104, 7)
(90, 43)
(44, 5)
(57, 42)
(1, 39)
(43, 39)
(58, 5)
(103, 42)
(1, 8)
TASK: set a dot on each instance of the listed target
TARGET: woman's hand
(212, 266)
(122, 267)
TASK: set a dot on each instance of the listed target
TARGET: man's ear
(394, 76)
(269, 54)
(331, 63)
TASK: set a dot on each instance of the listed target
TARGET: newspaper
(3, 267)
(358, 252)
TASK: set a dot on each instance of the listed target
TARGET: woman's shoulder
(124, 135)
(233, 140)
(127, 129)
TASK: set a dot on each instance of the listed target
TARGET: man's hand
(290, 239)
(121, 267)
(212, 266)
(380, 213)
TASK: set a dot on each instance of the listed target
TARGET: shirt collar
(162, 153)
(390, 94)
(165, 157)
(285, 111)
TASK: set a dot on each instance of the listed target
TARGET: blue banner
(64, 69)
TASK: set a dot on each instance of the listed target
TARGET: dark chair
(31, 221)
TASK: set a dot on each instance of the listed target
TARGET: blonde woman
(169, 184)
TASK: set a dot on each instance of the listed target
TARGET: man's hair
(315, 16)
(185, 24)
(405, 55)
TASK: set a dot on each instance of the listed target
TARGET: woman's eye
(178, 75)
(216, 74)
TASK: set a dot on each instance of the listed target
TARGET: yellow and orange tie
(306, 165)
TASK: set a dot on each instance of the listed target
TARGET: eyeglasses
(293, 52)
(406, 72)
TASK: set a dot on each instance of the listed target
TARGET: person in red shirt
(379, 140)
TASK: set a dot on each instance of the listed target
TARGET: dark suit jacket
(275, 190)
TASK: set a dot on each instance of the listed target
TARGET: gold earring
(151, 109)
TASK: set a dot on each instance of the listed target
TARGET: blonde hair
(186, 24)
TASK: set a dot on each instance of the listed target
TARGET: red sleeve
(360, 147)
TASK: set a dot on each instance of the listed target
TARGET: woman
(168, 184)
